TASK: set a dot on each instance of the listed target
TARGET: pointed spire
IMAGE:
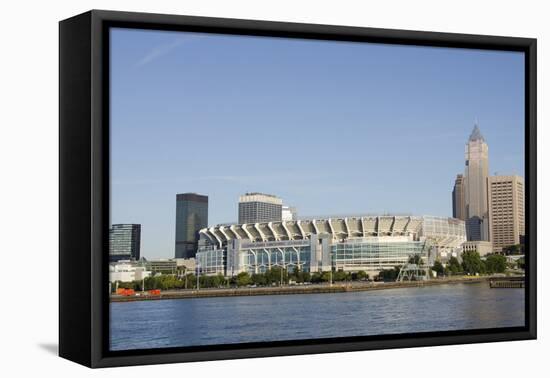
(476, 134)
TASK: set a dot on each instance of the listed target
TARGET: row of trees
(278, 275)
(170, 282)
(273, 276)
(472, 264)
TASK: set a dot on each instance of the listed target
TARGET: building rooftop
(260, 197)
(448, 230)
(476, 134)
(260, 194)
(192, 197)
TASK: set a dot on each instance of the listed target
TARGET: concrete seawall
(286, 290)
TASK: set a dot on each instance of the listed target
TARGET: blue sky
(331, 127)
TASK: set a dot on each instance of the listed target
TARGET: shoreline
(309, 289)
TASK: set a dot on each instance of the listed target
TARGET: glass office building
(191, 216)
(124, 242)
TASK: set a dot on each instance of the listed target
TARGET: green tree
(211, 281)
(316, 277)
(150, 283)
(297, 275)
(454, 267)
(243, 279)
(259, 279)
(191, 281)
(471, 262)
(221, 280)
(339, 276)
(521, 263)
(390, 274)
(127, 285)
(274, 275)
(438, 268)
(268, 276)
(495, 264)
(180, 283)
(361, 275)
(515, 249)
(325, 277)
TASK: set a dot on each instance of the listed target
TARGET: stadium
(368, 243)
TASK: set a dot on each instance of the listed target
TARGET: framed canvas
(236, 188)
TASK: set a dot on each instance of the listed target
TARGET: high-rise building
(476, 229)
(475, 185)
(259, 207)
(191, 216)
(124, 242)
(506, 210)
(288, 213)
(459, 207)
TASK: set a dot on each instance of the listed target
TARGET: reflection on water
(208, 321)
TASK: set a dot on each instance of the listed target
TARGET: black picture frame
(84, 186)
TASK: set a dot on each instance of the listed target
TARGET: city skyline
(338, 125)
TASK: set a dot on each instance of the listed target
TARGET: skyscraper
(506, 210)
(191, 216)
(475, 185)
(124, 242)
(459, 207)
(259, 207)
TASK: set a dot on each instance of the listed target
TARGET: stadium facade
(369, 243)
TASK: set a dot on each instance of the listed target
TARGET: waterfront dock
(301, 289)
(507, 283)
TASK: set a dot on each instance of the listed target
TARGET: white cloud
(160, 51)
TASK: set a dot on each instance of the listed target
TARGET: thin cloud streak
(160, 51)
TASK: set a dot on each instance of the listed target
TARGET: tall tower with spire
(475, 186)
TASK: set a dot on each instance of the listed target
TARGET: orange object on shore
(154, 292)
(126, 292)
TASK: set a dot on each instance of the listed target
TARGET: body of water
(225, 320)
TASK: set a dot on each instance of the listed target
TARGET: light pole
(198, 274)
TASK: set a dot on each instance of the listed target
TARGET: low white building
(188, 264)
(127, 271)
(482, 247)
